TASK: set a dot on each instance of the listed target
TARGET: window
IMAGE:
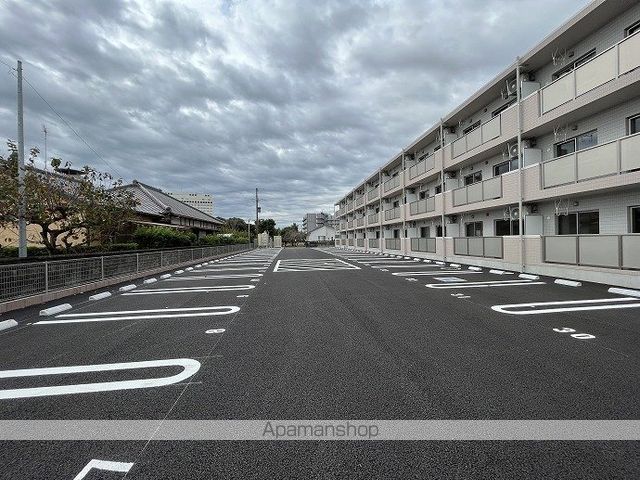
(396, 233)
(632, 29)
(634, 220)
(586, 140)
(582, 223)
(507, 227)
(634, 125)
(501, 109)
(439, 231)
(473, 229)
(422, 195)
(396, 203)
(437, 148)
(424, 232)
(505, 167)
(471, 128)
(438, 189)
(575, 64)
(475, 177)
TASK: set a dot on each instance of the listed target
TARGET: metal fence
(490, 247)
(423, 245)
(26, 279)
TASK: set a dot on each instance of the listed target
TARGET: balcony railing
(350, 242)
(612, 158)
(373, 193)
(609, 251)
(392, 243)
(360, 222)
(349, 206)
(423, 245)
(392, 183)
(392, 214)
(373, 218)
(422, 206)
(359, 201)
(350, 224)
(485, 132)
(617, 60)
(477, 192)
(340, 212)
(374, 243)
(491, 247)
(423, 166)
(360, 242)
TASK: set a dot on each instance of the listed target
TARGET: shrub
(116, 247)
(162, 237)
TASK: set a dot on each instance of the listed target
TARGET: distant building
(321, 234)
(311, 221)
(156, 207)
(201, 201)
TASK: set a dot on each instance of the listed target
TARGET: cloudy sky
(299, 98)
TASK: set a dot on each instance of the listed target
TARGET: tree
(291, 235)
(267, 225)
(235, 224)
(70, 211)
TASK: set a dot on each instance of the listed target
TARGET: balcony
(350, 225)
(392, 243)
(374, 243)
(373, 194)
(392, 184)
(359, 242)
(359, 201)
(392, 214)
(373, 219)
(612, 158)
(422, 206)
(349, 206)
(612, 63)
(478, 192)
(423, 245)
(608, 251)
(360, 222)
(350, 242)
(489, 247)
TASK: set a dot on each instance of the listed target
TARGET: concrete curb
(568, 283)
(100, 296)
(475, 269)
(529, 276)
(166, 275)
(126, 288)
(7, 324)
(150, 280)
(55, 309)
(625, 291)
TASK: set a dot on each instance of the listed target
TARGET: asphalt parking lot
(326, 334)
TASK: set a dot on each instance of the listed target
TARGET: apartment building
(538, 171)
(200, 201)
(312, 221)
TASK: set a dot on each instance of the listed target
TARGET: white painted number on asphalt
(579, 336)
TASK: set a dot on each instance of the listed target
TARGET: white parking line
(190, 367)
(204, 289)
(487, 284)
(439, 272)
(120, 467)
(140, 315)
(213, 277)
(576, 306)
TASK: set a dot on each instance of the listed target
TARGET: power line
(72, 129)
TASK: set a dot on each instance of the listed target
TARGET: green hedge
(214, 240)
(162, 237)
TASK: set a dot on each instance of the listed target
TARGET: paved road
(329, 334)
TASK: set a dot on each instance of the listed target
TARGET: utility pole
(22, 207)
(44, 130)
(257, 210)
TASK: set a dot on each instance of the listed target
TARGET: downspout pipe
(520, 168)
(442, 188)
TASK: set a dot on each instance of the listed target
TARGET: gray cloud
(302, 99)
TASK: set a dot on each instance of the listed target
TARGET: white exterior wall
(200, 201)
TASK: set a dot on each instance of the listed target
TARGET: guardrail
(392, 214)
(611, 158)
(423, 245)
(489, 189)
(359, 201)
(489, 130)
(610, 64)
(392, 243)
(374, 243)
(609, 251)
(360, 222)
(373, 193)
(350, 242)
(422, 206)
(349, 206)
(490, 247)
(373, 218)
(27, 279)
